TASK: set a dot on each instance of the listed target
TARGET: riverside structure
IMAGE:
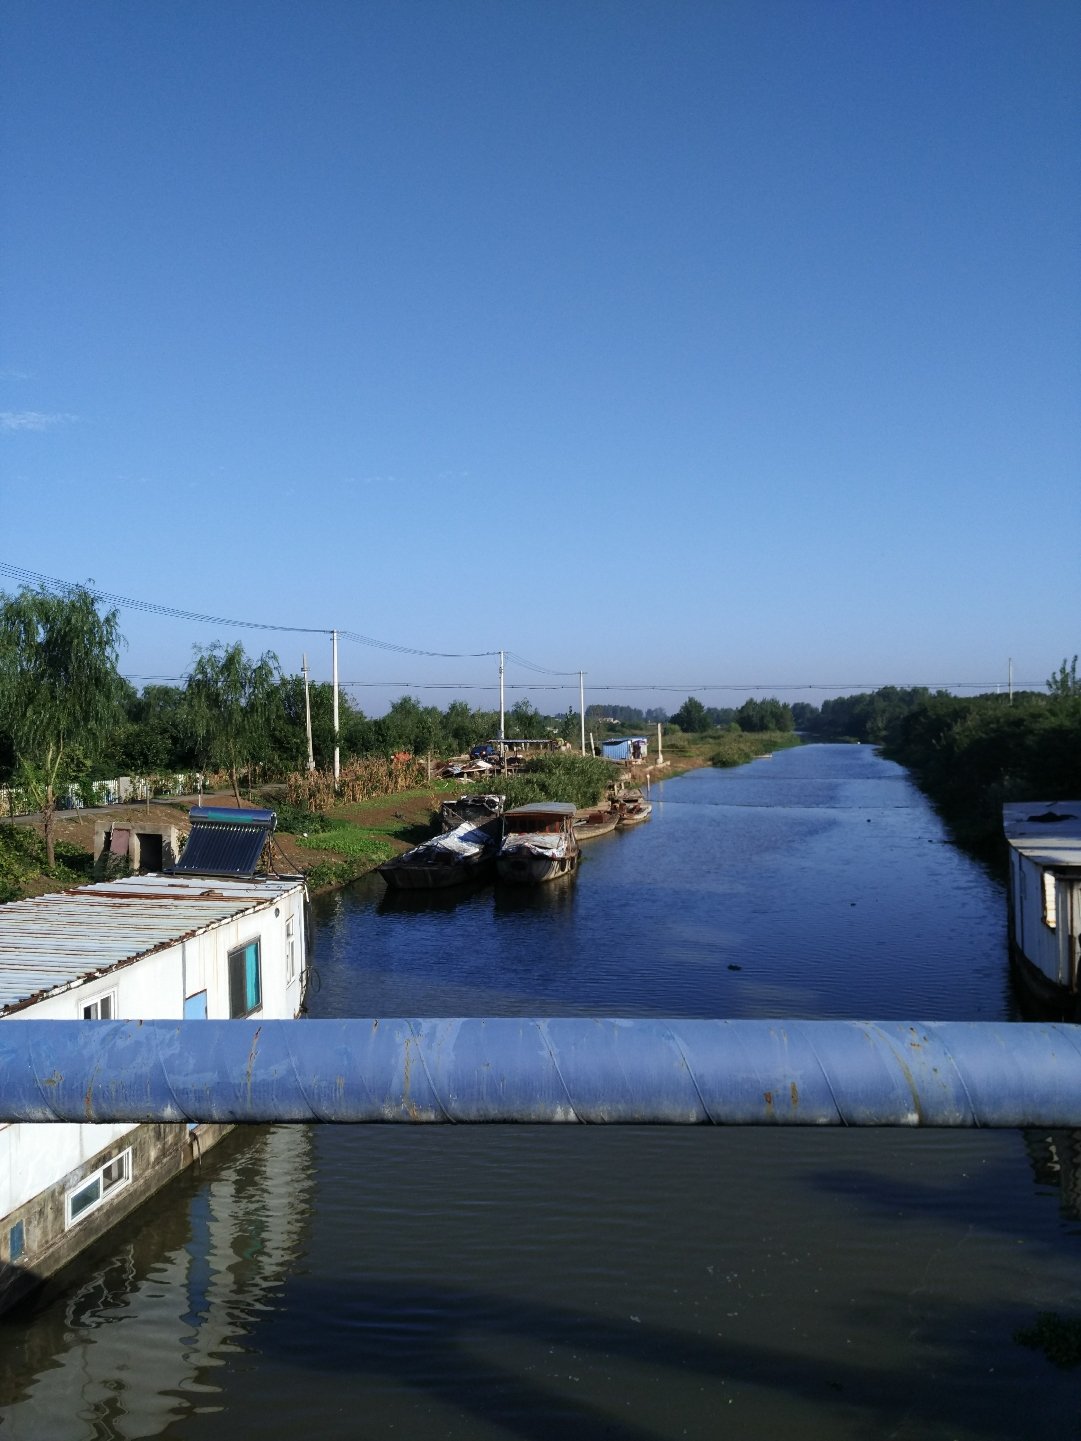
(196, 946)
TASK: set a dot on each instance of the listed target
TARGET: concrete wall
(158, 1152)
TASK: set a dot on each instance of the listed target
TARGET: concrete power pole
(582, 705)
(502, 712)
(337, 754)
(308, 714)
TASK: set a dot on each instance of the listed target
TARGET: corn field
(361, 779)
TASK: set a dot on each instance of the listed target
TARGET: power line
(51, 583)
(63, 587)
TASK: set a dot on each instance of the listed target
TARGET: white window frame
(112, 1176)
(94, 1005)
(290, 949)
(1048, 891)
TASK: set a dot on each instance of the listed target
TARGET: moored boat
(1044, 902)
(476, 809)
(539, 843)
(634, 812)
(599, 821)
(464, 854)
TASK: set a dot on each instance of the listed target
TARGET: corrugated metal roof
(1046, 831)
(48, 943)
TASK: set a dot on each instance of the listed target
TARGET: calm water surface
(528, 1282)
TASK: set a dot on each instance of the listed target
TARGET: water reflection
(135, 1343)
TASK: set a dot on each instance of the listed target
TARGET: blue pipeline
(594, 1071)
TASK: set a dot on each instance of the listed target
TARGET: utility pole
(582, 705)
(308, 714)
(502, 711)
(337, 755)
(1011, 679)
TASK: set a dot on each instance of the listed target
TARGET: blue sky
(728, 344)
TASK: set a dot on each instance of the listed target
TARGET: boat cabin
(1044, 898)
(539, 818)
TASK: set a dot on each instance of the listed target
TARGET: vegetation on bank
(68, 718)
(562, 776)
(734, 748)
(970, 754)
(24, 862)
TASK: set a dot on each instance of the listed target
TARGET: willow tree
(59, 688)
(231, 704)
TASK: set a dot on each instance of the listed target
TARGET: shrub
(582, 780)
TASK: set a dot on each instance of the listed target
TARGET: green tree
(59, 688)
(233, 703)
(1065, 682)
(691, 715)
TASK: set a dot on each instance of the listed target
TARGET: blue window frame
(245, 980)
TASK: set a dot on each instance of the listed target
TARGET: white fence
(123, 790)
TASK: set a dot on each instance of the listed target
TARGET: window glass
(101, 1008)
(245, 981)
(91, 1192)
(85, 1197)
(16, 1241)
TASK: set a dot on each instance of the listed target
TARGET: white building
(145, 947)
(1044, 900)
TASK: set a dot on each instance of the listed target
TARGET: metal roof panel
(49, 943)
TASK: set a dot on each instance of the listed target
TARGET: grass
(350, 841)
(22, 863)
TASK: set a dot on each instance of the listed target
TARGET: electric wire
(56, 586)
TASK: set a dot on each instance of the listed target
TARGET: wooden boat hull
(587, 828)
(420, 877)
(527, 869)
(636, 814)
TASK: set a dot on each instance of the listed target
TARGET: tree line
(67, 716)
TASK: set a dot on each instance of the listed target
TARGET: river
(532, 1282)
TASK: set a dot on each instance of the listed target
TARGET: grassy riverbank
(350, 839)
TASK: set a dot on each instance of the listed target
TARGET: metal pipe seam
(612, 1071)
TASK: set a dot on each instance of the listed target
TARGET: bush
(582, 780)
(737, 747)
(297, 821)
